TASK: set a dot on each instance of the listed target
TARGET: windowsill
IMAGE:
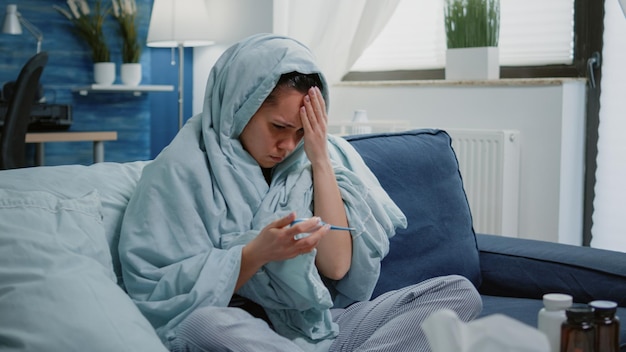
(442, 82)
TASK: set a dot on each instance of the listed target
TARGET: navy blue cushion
(420, 172)
(521, 309)
(534, 268)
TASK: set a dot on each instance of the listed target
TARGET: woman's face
(275, 129)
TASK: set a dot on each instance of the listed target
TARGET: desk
(97, 137)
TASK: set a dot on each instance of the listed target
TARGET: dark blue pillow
(420, 172)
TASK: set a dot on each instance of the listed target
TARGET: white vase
(104, 73)
(472, 63)
(131, 74)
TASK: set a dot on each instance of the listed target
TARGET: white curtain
(609, 225)
(337, 31)
(532, 32)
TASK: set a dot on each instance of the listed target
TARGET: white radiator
(489, 161)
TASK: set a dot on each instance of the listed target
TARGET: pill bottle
(607, 326)
(578, 331)
(551, 317)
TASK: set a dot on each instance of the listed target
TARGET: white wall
(548, 113)
(231, 21)
(609, 227)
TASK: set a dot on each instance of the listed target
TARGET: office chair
(17, 118)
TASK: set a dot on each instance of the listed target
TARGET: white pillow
(116, 182)
(57, 287)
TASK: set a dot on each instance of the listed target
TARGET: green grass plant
(88, 25)
(125, 12)
(472, 23)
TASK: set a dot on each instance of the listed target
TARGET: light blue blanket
(204, 197)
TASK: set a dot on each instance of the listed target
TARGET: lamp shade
(11, 21)
(179, 22)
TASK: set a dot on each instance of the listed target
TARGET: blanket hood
(245, 75)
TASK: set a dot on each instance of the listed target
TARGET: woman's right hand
(277, 242)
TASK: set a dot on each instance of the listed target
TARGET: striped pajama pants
(390, 322)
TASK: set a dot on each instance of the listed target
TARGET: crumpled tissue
(493, 333)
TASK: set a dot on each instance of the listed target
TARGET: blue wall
(145, 124)
(164, 106)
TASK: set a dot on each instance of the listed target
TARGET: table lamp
(13, 22)
(179, 24)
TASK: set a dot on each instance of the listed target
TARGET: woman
(208, 249)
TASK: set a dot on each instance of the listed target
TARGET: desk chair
(17, 118)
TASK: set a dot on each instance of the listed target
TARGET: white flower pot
(131, 74)
(472, 63)
(104, 73)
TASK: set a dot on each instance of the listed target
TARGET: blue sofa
(61, 288)
(420, 172)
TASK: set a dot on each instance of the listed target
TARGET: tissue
(494, 333)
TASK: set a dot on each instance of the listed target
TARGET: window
(588, 27)
(532, 33)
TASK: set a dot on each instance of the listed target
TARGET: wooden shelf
(120, 88)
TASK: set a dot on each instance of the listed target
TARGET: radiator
(489, 161)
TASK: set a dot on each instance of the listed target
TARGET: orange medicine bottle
(607, 326)
(578, 331)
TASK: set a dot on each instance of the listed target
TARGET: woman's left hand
(314, 121)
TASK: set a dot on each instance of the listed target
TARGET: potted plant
(472, 33)
(125, 12)
(89, 26)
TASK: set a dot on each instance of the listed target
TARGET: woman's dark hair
(295, 80)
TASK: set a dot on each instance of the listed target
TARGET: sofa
(60, 282)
